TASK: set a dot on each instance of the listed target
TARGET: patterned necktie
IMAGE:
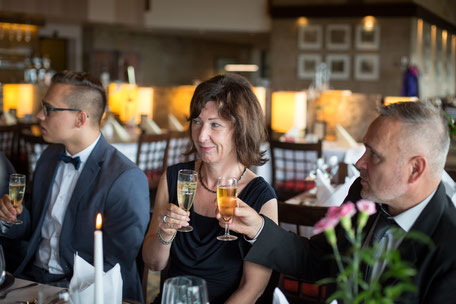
(385, 221)
(76, 161)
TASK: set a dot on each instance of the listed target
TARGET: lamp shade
(145, 102)
(123, 100)
(20, 97)
(289, 109)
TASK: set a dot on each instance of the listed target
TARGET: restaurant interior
(320, 69)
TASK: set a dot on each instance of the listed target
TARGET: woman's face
(213, 136)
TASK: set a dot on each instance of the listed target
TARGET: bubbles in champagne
(186, 194)
(16, 193)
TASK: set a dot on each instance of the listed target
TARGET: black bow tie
(76, 161)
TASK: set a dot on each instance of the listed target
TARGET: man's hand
(7, 211)
(246, 220)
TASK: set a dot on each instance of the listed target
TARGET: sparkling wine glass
(226, 202)
(186, 189)
(185, 290)
(16, 192)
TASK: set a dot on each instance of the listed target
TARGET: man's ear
(81, 119)
(417, 165)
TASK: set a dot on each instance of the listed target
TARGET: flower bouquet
(352, 287)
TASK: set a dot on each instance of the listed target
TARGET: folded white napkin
(295, 134)
(279, 297)
(339, 194)
(150, 127)
(174, 124)
(352, 171)
(114, 131)
(82, 286)
(9, 118)
(344, 139)
(324, 188)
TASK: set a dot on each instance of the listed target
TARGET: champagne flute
(16, 192)
(186, 189)
(226, 202)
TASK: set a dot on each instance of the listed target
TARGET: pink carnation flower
(333, 212)
(347, 209)
(325, 224)
(366, 206)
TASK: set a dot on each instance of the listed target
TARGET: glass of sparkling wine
(16, 192)
(226, 202)
(186, 189)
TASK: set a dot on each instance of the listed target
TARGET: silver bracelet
(163, 241)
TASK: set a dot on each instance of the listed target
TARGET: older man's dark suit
(436, 278)
(109, 184)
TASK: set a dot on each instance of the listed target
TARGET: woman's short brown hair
(237, 103)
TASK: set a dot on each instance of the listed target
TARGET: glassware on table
(2, 266)
(186, 189)
(16, 192)
(185, 290)
(226, 202)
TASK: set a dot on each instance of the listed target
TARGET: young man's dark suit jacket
(436, 278)
(110, 184)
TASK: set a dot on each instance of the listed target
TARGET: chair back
(31, 146)
(300, 215)
(151, 158)
(291, 164)
(295, 289)
(8, 141)
(179, 143)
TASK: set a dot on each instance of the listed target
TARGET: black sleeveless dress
(199, 253)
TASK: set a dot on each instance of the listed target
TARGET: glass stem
(227, 228)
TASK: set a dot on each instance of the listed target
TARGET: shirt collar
(406, 219)
(84, 154)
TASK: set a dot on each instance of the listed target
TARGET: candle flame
(98, 221)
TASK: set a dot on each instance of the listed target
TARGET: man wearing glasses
(76, 177)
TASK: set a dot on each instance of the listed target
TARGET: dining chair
(31, 147)
(179, 143)
(291, 166)
(151, 158)
(8, 142)
(296, 289)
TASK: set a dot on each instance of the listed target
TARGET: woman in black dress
(227, 129)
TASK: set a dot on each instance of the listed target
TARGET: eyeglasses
(47, 109)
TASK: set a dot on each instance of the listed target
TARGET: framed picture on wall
(310, 37)
(367, 67)
(338, 37)
(307, 65)
(339, 66)
(367, 39)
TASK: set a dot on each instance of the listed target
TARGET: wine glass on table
(226, 202)
(16, 193)
(186, 189)
(185, 290)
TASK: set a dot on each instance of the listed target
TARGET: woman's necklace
(212, 191)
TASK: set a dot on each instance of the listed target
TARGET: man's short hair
(426, 125)
(87, 92)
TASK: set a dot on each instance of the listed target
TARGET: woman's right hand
(173, 218)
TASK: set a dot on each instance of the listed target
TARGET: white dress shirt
(65, 180)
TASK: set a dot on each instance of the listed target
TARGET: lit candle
(98, 257)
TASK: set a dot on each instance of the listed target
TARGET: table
(329, 149)
(30, 293)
